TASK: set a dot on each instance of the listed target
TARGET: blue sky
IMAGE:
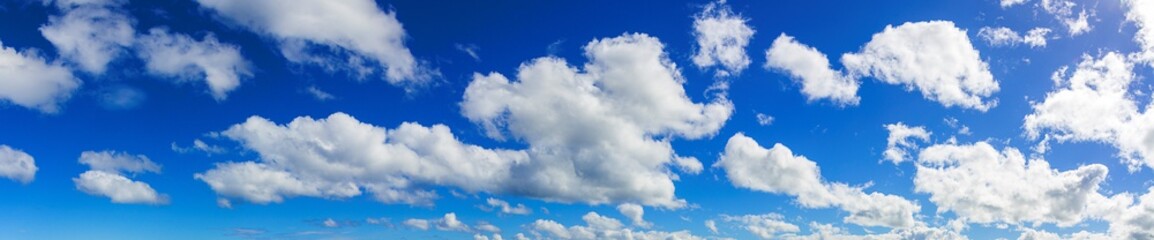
(210, 119)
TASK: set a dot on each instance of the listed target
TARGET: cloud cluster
(599, 227)
(1006, 37)
(17, 165)
(598, 134)
(722, 36)
(447, 223)
(778, 170)
(935, 58)
(901, 140)
(344, 35)
(1094, 103)
(106, 177)
(1141, 14)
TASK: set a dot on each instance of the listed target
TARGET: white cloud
(17, 165)
(118, 188)
(319, 94)
(307, 31)
(764, 119)
(811, 68)
(999, 36)
(777, 170)
(1094, 104)
(826, 231)
(765, 226)
(329, 222)
(599, 227)
(1036, 37)
(506, 208)
(900, 141)
(90, 33)
(447, 223)
(106, 177)
(1141, 13)
(1006, 37)
(198, 145)
(600, 134)
(711, 225)
(177, 55)
(982, 185)
(1063, 11)
(29, 81)
(487, 227)
(635, 213)
(935, 58)
(1011, 3)
(118, 162)
(721, 39)
(469, 49)
(1135, 221)
(338, 156)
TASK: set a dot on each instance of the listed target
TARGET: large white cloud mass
(106, 177)
(220, 65)
(777, 170)
(310, 32)
(935, 57)
(90, 34)
(601, 133)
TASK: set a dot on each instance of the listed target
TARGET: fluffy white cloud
(1063, 11)
(1141, 13)
(306, 30)
(935, 58)
(1011, 3)
(826, 231)
(506, 208)
(721, 39)
(1006, 37)
(106, 177)
(28, 81)
(1135, 221)
(91, 33)
(599, 227)
(982, 185)
(118, 188)
(778, 170)
(635, 213)
(337, 156)
(811, 68)
(17, 165)
(765, 226)
(901, 139)
(1094, 103)
(177, 55)
(600, 134)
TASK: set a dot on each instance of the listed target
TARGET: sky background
(135, 117)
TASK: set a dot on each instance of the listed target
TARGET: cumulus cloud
(1006, 37)
(331, 34)
(811, 68)
(1094, 104)
(336, 157)
(27, 80)
(819, 231)
(17, 165)
(599, 227)
(179, 56)
(106, 177)
(764, 226)
(599, 134)
(778, 170)
(901, 140)
(1141, 14)
(1011, 3)
(935, 58)
(635, 213)
(506, 208)
(722, 36)
(90, 33)
(982, 185)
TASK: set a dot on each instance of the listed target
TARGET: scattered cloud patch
(17, 165)
(901, 141)
(32, 82)
(811, 68)
(106, 177)
(722, 36)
